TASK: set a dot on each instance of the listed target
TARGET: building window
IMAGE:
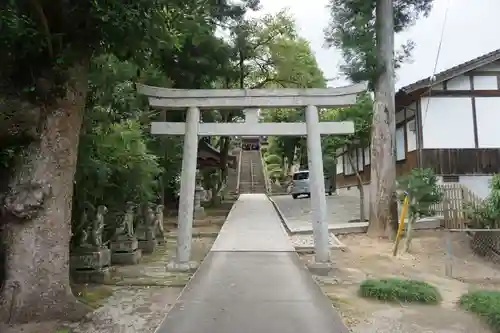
(400, 144)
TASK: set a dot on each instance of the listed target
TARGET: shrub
(273, 159)
(398, 290)
(422, 189)
(485, 304)
(486, 215)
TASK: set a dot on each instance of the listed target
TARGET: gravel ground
(308, 240)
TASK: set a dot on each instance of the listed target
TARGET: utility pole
(383, 151)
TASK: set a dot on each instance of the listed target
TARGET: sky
(472, 28)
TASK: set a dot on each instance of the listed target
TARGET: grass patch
(485, 304)
(93, 296)
(399, 290)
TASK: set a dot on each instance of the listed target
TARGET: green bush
(398, 290)
(486, 215)
(273, 159)
(423, 191)
(115, 166)
(485, 304)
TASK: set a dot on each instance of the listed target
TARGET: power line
(432, 78)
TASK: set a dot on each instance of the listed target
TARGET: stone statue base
(199, 213)
(90, 265)
(125, 251)
(147, 246)
(147, 241)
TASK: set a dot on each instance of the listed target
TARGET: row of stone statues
(91, 234)
(91, 258)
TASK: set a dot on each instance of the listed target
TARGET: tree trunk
(409, 232)
(383, 152)
(37, 215)
(361, 190)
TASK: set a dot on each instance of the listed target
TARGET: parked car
(300, 184)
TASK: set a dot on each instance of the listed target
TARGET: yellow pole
(401, 225)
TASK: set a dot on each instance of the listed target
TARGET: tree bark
(383, 152)
(361, 190)
(37, 215)
(409, 232)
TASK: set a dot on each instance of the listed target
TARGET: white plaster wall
(340, 165)
(367, 155)
(485, 82)
(478, 184)
(360, 159)
(447, 122)
(460, 82)
(488, 121)
(411, 134)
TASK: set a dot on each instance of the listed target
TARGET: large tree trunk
(37, 215)
(383, 152)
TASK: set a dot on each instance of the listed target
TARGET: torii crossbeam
(209, 99)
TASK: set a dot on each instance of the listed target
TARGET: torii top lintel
(175, 99)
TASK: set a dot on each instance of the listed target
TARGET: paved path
(341, 209)
(252, 282)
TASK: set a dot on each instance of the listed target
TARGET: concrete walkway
(252, 282)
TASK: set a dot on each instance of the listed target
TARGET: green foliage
(486, 215)
(361, 114)
(273, 159)
(115, 167)
(275, 174)
(484, 303)
(422, 190)
(352, 29)
(93, 296)
(398, 290)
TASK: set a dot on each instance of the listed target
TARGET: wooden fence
(451, 208)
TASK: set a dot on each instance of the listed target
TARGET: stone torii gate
(217, 99)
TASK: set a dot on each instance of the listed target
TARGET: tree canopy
(352, 29)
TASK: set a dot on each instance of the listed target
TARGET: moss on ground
(93, 296)
(486, 304)
(400, 290)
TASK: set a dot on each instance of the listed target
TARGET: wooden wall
(462, 161)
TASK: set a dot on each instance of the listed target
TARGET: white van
(300, 184)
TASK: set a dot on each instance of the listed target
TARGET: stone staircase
(251, 174)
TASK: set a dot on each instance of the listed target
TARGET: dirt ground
(141, 295)
(372, 258)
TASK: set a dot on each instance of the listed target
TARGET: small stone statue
(127, 226)
(98, 226)
(160, 232)
(149, 217)
(83, 240)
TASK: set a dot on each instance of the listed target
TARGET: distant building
(450, 123)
